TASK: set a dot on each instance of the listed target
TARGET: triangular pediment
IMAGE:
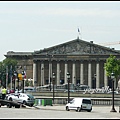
(78, 46)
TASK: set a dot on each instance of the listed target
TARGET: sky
(28, 26)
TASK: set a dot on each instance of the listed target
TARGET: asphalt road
(58, 112)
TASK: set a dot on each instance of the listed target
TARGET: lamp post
(23, 74)
(50, 72)
(50, 67)
(68, 79)
(18, 84)
(53, 85)
(112, 77)
(14, 78)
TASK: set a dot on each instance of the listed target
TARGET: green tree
(10, 62)
(112, 65)
(2, 74)
(8, 65)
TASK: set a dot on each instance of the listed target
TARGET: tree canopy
(112, 65)
(7, 66)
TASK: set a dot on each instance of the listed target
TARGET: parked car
(79, 104)
(26, 89)
(23, 98)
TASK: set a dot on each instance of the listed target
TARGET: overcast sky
(30, 26)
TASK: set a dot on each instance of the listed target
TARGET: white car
(79, 104)
(22, 98)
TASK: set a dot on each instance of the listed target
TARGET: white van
(79, 104)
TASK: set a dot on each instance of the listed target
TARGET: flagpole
(79, 33)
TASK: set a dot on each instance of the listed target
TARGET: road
(58, 112)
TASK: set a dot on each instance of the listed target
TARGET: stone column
(58, 74)
(73, 74)
(105, 79)
(81, 73)
(34, 73)
(66, 70)
(42, 74)
(89, 75)
(97, 75)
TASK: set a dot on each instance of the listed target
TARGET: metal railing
(95, 101)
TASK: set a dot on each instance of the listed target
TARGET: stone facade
(83, 60)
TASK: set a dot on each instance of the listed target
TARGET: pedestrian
(4, 92)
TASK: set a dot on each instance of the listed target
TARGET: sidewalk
(49, 107)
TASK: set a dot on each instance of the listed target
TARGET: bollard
(39, 102)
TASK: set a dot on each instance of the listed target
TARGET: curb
(50, 107)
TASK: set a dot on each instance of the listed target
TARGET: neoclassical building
(83, 60)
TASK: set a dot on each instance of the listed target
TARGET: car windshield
(86, 101)
(30, 96)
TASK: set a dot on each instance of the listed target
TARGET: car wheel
(31, 105)
(24, 102)
(89, 110)
(78, 109)
(67, 108)
(9, 105)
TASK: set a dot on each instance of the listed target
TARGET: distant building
(83, 60)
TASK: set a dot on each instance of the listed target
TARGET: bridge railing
(95, 101)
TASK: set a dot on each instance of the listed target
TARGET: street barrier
(46, 102)
(37, 102)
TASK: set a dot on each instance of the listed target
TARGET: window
(86, 101)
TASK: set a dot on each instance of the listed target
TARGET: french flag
(78, 30)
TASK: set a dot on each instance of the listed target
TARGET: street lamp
(19, 75)
(53, 85)
(50, 62)
(23, 74)
(112, 77)
(18, 83)
(68, 79)
(14, 78)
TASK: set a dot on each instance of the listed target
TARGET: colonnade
(73, 73)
